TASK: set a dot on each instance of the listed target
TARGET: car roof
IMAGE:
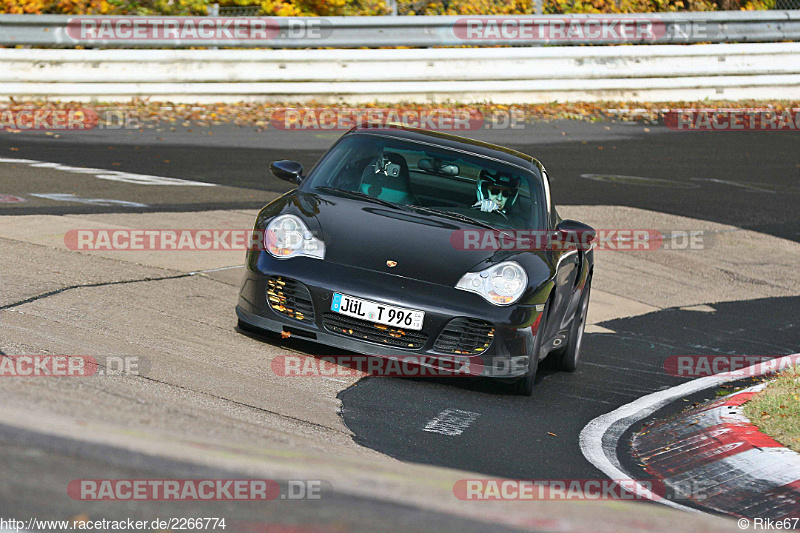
(448, 140)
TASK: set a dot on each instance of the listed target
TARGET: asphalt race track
(747, 180)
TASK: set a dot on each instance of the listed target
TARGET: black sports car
(389, 247)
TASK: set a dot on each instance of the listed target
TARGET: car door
(567, 267)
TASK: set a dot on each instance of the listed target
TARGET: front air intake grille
(465, 336)
(362, 329)
(290, 298)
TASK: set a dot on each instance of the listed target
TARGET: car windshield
(430, 179)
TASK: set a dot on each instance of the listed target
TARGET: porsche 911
(381, 250)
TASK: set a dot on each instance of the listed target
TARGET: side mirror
(285, 170)
(574, 232)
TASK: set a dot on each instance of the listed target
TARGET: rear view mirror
(438, 168)
(572, 231)
(286, 170)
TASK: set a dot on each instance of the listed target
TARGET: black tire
(524, 385)
(569, 355)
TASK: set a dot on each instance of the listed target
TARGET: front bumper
(507, 356)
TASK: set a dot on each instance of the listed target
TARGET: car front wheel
(524, 386)
(568, 356)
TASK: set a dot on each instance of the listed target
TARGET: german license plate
(374, 312)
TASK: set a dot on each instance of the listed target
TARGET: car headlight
(287, 236)
(501, 284)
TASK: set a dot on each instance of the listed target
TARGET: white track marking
(451, 422)
(18, 161)
(598, 440)
(736, 184)
(113, 175)
(68, 197)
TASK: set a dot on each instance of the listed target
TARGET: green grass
(776, 409)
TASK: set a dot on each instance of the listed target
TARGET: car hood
(372, 236)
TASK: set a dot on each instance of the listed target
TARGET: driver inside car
(496, 192)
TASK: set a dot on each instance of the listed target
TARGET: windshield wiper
(447, 214)
(455, 216)
(362, 195)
